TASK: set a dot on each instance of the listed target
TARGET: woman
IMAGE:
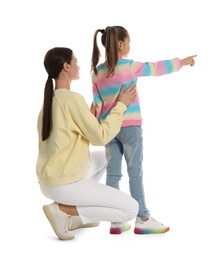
(67, 171)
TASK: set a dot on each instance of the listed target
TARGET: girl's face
(124, 46)
(74, 68)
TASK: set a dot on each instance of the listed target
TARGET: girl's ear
(119, 45)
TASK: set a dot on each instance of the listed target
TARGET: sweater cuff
(181, 62)
(121, 106)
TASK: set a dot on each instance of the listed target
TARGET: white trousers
(95, 201)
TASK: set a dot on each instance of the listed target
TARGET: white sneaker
(149, 226)
(119, 227)
(60, 221)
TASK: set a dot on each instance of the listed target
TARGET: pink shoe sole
(140, 231)
(119, 230)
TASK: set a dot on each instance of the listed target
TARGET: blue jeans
(129, 142)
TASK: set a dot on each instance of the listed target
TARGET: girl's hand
(189, 60)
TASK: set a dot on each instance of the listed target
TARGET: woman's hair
(53, 63)
(109, 39)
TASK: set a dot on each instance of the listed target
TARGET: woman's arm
(90, 128)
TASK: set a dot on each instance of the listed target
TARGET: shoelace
(157, 221)
(152, 220)
(68, 223)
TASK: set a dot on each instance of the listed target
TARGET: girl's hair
(53, 63)
(109, 39)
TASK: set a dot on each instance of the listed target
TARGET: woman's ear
(66, 66)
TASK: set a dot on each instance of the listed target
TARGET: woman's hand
(127, 96)
(93, 108)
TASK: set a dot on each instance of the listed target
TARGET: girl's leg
(131, 137)
(114, 153)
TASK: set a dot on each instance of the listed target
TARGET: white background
(179, 124)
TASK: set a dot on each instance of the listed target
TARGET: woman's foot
(63, 223)
(60, 221)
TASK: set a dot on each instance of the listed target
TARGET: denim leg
(132, 141)
(114, 153)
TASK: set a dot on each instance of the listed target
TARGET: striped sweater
(106, 90)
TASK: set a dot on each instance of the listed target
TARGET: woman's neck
(63, 83)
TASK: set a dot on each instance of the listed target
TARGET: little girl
(108, 78)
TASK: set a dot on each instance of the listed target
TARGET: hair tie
(102, 31)
(49, 77)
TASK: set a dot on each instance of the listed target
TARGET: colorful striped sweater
(106, 90)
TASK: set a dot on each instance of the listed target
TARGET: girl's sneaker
(149, 226)
(119, 227)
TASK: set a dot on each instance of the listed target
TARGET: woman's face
(74, 68)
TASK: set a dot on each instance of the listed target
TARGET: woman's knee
(132, 209)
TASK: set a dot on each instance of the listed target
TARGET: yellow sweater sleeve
(89, 127)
